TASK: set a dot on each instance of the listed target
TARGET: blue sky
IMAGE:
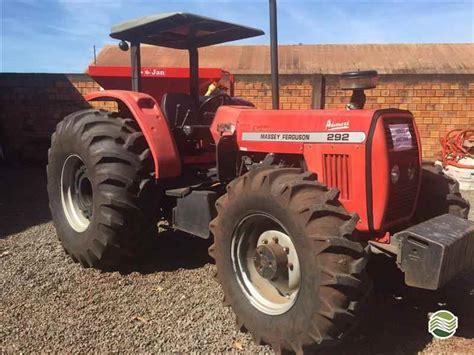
(58, 35)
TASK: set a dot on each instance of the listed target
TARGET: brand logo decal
(153, 72)
(305, 137)
(334, 126)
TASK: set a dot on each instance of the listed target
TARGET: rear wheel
(285, 261)
(102, 195)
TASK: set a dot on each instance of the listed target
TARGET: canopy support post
(136, 66)
(194, 73)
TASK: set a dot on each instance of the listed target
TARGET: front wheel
(285, 261)
(439, 194)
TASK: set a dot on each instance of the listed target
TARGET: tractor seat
(179, 107)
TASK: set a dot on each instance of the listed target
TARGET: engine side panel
(341, 166)
(334, 145)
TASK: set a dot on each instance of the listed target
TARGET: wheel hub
(271, 261)
(83, 191)
(76, 193)
(266, 263)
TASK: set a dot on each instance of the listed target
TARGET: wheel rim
(266, 263)
(76, 193)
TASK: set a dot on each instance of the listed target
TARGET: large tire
(103, 159)
(439, 194)
(333, 282)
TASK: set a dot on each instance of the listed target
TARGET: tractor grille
(401, 201)
(402, 195)
(336, 173)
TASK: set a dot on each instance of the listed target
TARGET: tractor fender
(154, 126)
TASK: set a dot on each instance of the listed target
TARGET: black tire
(334, 282)
(439, 194)
(124, 198)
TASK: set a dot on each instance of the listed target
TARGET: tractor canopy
(181, 31)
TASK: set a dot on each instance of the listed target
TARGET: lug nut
(290, 266)
(265, 241)
(275, 239)
(287, 250)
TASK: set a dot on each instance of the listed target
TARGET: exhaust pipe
(274, 55)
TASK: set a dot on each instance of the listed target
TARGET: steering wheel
(212, 103)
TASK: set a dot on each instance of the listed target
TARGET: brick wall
(84, 85)
(439, 103)
(32, 104)
(295, 91)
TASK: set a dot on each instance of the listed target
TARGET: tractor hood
(292, 128)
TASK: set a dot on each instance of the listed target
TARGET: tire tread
(123, 169)
(316, 205)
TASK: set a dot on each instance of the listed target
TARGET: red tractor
(295, 201)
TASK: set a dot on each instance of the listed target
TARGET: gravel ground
(169, 302)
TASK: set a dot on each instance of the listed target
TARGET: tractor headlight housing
(395, 174)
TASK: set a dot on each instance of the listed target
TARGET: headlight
(395, 174)
(411, 171)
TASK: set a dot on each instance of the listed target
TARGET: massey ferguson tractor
(295, 202)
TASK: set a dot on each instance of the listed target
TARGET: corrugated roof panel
(456, 58)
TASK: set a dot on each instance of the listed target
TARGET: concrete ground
(169, 301)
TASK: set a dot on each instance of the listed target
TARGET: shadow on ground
(23, 198)
(24, 204)
(172, 250)
(396, 320)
